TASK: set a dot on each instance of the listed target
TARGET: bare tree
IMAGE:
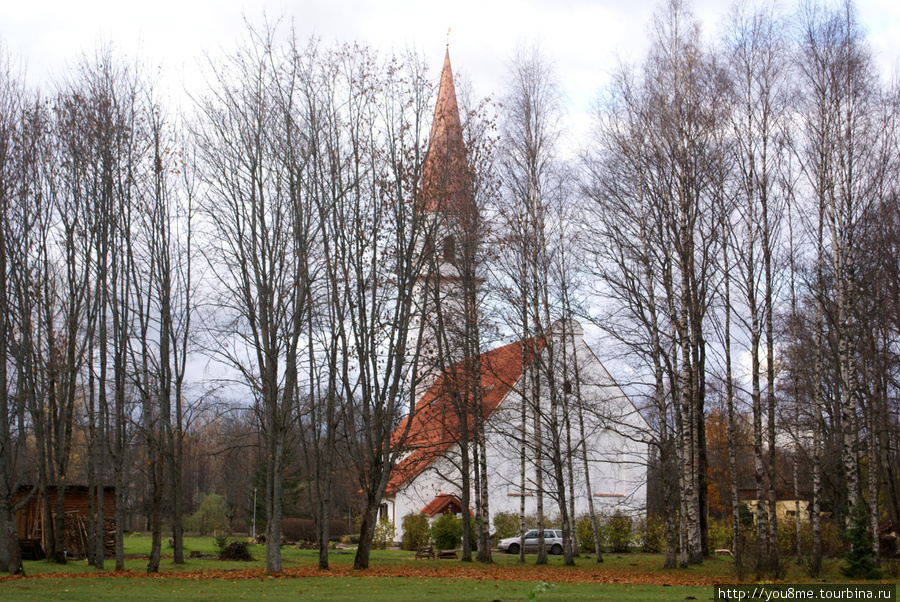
(532, 233)
(17, 166)
(380, 229)
(253, 217)
(840, 151)
(757, 73)
(631, 266)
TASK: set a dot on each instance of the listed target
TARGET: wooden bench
(447, 554)
(425, 552)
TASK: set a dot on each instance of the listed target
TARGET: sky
(585, 38)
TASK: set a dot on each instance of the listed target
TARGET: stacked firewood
(75, 536)
(109, 537)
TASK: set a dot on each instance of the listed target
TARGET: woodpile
(75, 536)
(889, 540)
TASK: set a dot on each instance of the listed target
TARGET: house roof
(440, 503)
(446, 179)
(435, 423)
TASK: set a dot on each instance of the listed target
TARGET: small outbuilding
(34, 537)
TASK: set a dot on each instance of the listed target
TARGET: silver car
(553, 542)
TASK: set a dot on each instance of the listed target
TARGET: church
(598, 434)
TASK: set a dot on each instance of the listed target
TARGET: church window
(449, 247)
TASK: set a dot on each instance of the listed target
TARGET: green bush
(653, 534)
(446, 532)
(584, 534)
(384, 534)
(618, 532)
(787, 537)
(506, 524)
(415, 531)
(833, 544)
(210, 516)
(720, 534)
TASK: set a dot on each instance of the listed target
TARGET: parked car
(553, 542)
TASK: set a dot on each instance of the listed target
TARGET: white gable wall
(616, 456)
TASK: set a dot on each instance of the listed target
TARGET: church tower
(447, 203)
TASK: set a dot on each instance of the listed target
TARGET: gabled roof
(446, 180)
(440, 503)
(435, 424)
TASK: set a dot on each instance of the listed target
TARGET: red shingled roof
(440, 503)
(435, 424)
(446, 179)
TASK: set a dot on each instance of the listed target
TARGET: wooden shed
(33, 537)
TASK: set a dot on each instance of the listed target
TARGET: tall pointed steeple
(447, 200)
(447, 185)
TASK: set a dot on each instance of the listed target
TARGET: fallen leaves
(494, 573)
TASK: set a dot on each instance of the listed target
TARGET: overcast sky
(584, 37)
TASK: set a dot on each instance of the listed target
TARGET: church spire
(445, 174)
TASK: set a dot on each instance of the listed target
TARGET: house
(31, 531)
(600, 432)
(786, 504)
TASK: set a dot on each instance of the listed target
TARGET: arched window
(449, 247)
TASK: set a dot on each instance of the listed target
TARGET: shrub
(653, 538)
(584, 534)
(833, 544)
(339, 528)
(384, 534)
(618, 531)
(304, 529)
(298, 529)
(210, 516)
(446, 532)
(415, 531)
(720, 534)
(506, 524)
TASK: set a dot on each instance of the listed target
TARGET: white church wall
(617, 456)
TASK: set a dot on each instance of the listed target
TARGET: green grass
(47, 580)
(137, 551)
(359, 588)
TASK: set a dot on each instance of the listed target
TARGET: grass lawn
(393, 575)
(323, 588)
